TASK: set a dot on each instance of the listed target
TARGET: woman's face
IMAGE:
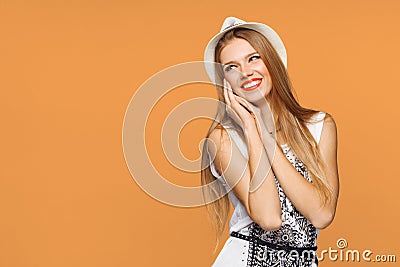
(245, 70)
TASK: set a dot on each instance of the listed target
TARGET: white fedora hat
(232, 22)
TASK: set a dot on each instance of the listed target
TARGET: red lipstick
(251, 84)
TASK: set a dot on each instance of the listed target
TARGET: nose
(246, 71)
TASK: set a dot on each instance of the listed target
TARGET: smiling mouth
(251, 84)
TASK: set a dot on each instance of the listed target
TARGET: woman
(283, 182)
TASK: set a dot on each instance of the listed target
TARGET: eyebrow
(232, 61)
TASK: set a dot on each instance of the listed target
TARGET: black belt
(270, 245)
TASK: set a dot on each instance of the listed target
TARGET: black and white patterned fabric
(296, 231)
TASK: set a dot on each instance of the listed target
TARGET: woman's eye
(229, 67)
(254, 57)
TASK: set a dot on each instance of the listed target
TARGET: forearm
(303, 194)
(263, 199)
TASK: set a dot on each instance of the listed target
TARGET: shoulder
(329, 131)
(223, 151)
(317, 117)
(322, 115)
(225, 142)
(329, 123)
(320, 121)
(324, 118)
(219, 133)
(219, 138)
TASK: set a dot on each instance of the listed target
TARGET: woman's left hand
(266, 132)
(255, 111)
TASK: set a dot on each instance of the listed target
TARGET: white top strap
(316, 124)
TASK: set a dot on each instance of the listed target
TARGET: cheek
(266, 73)
(234, 84)
(262, 68)
(233, 77)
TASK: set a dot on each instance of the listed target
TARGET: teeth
(251, 84)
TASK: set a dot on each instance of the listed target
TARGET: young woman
(276, 160)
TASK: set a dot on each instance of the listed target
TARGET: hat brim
(265, 30)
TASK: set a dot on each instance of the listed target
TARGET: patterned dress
(296, 231)
(251, 246)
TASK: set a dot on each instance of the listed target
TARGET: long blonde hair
(290, 119)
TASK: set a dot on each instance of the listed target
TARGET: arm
(263, 204)
(303, 194)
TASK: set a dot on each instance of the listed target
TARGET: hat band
(234, 24)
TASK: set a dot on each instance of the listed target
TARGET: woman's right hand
(241, 111)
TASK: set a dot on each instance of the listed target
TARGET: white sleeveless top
(240, 219)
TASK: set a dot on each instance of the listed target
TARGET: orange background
(69, 69)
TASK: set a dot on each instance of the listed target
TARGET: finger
(226, 97)
(236, 104)
(245, 104)
(233, 103)
(248, 105)
(230, 94)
